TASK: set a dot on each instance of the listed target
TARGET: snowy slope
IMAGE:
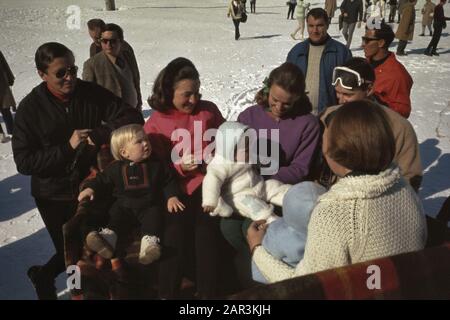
(231, 72)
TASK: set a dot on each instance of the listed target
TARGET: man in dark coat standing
(6, 98)
(59, 127)
(438, 24)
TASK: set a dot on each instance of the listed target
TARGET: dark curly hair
(163, 88)
(290, 78)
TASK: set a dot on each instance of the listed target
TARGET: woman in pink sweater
(178, 135)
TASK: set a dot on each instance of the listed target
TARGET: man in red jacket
(393, 82)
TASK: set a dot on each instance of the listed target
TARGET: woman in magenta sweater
(177, 134)
(282, 118)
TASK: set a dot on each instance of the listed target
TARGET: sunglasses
(112, 41)
(64, 72)
(367, 39)
(349, 79)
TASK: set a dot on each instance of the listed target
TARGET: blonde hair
(121, 136)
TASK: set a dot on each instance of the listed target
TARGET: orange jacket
(393, 85)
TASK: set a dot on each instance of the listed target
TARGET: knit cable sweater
(360, 218)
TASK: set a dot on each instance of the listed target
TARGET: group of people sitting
(292, 192)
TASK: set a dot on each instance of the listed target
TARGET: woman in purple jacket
(288, 136)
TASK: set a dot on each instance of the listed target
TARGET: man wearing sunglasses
(95, 29)
(115, 67)
(355, 81)
(316, 57)
(58, 129)
(393, 83)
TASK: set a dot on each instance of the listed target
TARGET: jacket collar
(365, 186)
(329, 47)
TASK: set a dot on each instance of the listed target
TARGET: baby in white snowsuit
(232, 184)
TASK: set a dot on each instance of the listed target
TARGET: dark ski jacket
(44, 125)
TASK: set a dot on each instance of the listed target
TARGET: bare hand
(79, 136)
(188, 163)
(208, 209)
(175, 205)
(255, 233)
(86, 193)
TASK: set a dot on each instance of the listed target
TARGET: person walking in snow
(235, 10)
(352, 11)
(405, 30)
(427, 16)
(439, 23)
(302, 7)
(292, 4)
(253, 6)
(392, 10)
(330, 8)
(6, 98)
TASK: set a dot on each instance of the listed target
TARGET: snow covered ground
(231, 72)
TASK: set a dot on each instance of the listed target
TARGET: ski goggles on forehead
(348, 78)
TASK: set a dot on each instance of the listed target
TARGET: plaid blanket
(415, 275)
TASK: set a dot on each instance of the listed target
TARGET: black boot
(43, 284)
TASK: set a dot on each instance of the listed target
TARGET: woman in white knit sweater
(370, 212)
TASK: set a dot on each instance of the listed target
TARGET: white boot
(150, 249)
(103, 242)
(223, 209)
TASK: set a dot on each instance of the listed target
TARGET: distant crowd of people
(354, 12)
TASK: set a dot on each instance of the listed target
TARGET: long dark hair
(290, 78)
(163, 88)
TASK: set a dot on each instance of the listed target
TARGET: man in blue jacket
(317, 57)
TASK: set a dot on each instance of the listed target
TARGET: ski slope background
(231, 73)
